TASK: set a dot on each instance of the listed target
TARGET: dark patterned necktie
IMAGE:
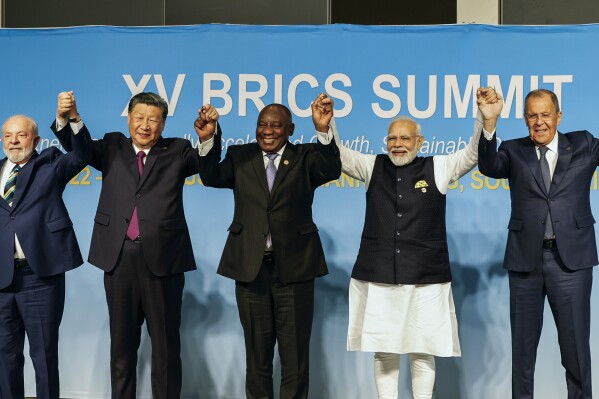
(547, 180)
(133, 229)
(271, 171)
(11, 185)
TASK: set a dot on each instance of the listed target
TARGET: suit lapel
(153, 155)
(258, 164)
(23, 180)
(287, 159)
(564, 155)
(531, 158)
(131, 157)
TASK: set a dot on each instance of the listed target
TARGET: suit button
(399, 215)
(126, 220)
(397, 233)
(12, 218)
(397, 251)
(400, 196)
(138, 196)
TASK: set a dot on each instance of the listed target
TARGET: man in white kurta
(400, 298)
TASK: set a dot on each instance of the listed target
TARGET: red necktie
(133, 229)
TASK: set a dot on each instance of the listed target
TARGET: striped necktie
(11, 185)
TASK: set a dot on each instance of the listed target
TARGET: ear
(420, 142)
(291, 129)
(36, 140)
(559, 118)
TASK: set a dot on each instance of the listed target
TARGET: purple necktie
(271, 171)
(133, 230)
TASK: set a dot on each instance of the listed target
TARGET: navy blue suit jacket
(39, 216)
(568, 198)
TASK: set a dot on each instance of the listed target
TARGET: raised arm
(491, 162)
(353, 163)
(68, 125)
(213, 172)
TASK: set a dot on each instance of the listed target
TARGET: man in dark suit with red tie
(273, 250)
(37, 246)
(141, 240)
(551, 247)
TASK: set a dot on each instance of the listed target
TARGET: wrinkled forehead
(539, 102)
(402, 128)
(17, 124)
(275, 112)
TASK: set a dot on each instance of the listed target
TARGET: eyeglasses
(534, 117)
(401, 139)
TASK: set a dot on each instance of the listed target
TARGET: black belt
(19, 263)
(549, 243)
(137, 239)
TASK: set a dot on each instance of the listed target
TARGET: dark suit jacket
(568, 198)
(158, 195)
(38, 215)
(287, 211)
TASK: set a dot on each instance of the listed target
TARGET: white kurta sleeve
(451, 167)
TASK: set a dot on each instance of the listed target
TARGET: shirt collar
(552, 146)
(280, 152)
(9, 164)
(136, 149)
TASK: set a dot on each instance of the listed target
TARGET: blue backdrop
(374, 74)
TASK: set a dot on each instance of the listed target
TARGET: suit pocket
(235, 228)
(308, 228)
(585, 221)
(173, 224)
(102, 218)
(515, 224)
(59, 224)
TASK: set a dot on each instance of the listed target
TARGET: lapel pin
(286, 162)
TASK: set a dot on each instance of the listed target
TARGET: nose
(539, 121)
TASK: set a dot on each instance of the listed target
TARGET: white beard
(403, 160)
(19, 155)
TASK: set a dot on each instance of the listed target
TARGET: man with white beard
(37, 246)
(400, 298)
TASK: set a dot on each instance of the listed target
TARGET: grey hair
(408, 119)
(32, 123)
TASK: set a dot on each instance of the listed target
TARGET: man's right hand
(490, 104)
(322, 112)
(67, 106)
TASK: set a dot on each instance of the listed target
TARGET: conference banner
(374, 74)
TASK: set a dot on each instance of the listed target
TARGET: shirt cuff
(489, 136)
(75, 126)
(205, 147)
(325, 138)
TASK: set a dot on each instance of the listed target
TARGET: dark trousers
(273, 312)
(133, 294)
(31, 305)
(568, 293)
